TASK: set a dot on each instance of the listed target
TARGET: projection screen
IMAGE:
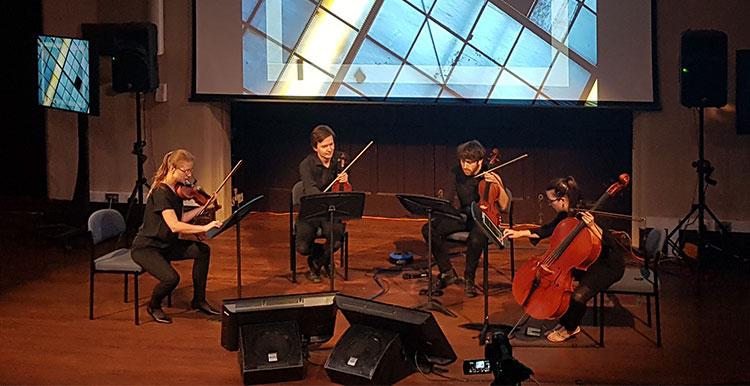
(561, 52)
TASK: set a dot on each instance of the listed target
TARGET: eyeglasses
(550, 202)
(186, 171)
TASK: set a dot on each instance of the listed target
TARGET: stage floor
(46, 337)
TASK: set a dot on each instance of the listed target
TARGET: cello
(544, 284)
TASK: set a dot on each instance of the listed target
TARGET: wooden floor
(46, 337)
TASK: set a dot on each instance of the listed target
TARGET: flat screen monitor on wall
(67, 74)
(559, 52)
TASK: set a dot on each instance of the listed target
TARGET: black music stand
(495, 234)
(235, 219)
(420, 206)
(345, 205)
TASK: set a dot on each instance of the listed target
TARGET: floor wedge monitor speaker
(385, 343)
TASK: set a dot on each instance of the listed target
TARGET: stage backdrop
(415, 147)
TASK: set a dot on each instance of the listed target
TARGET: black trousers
(156, 262)
(606, 270)
(307, 232)
(444, 226)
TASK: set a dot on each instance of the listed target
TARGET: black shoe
(447, 278)
(158, 315)
(204, 307)
(470, 290)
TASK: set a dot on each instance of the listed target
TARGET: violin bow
(213, 196)
(348, 166)
(520, 157)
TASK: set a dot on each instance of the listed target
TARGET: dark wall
(415, 146)
(22, 151)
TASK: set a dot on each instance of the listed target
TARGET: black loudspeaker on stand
(133, 49)
(703, 82)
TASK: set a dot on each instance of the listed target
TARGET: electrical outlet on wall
(112, 197)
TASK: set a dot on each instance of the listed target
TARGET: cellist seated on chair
(465, 186)
(317, 171)
(606, 270)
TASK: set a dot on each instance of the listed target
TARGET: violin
(345, 168)
(489, 197)
(543, 285)
(489, 193)
(189, 190)
(341, 163)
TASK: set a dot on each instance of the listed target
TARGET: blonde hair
(170, 160)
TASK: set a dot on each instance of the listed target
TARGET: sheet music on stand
(237, 216)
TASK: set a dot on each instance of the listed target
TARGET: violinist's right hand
(211, 225)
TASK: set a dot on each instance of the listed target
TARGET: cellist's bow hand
(343, 178)
(512, 234)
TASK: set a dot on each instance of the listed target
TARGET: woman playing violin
(157, 242)
(606, 270)
(317, 171)
(463, 185)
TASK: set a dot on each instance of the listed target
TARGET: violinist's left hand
(343, 178)
(492, 178)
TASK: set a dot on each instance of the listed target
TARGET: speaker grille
(703, 68)
(271, 352)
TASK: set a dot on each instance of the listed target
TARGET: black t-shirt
(315, 177)
(155, 232)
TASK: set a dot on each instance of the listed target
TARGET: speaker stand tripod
(704, 169)
(136, 197)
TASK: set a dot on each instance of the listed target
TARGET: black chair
(294, 199)
(106, 226)
(641, 281)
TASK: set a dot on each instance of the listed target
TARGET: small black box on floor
(366, 355)
(271, 352)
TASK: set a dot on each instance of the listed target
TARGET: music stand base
(434, 305)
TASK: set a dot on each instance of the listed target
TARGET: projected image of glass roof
(484, 51)
(63, 73)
